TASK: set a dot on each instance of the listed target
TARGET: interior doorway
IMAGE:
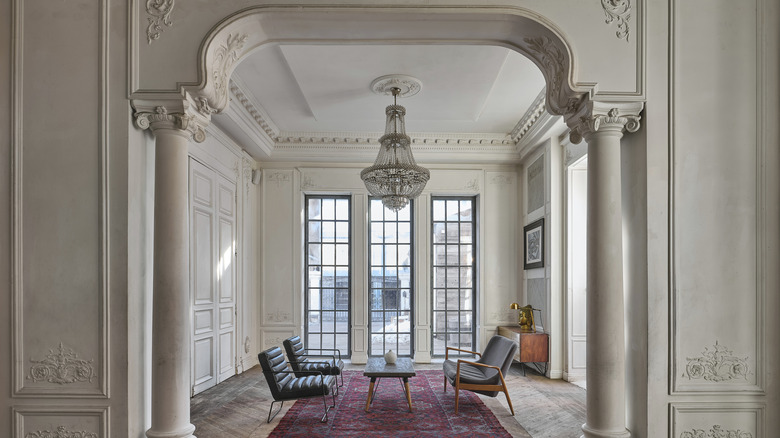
(576, 202)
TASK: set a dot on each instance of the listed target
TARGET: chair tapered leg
(456, 397)
(506, 393)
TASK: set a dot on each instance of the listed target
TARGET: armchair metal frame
(324, 418)
(287, 384)
(292, 357)
(470, 386)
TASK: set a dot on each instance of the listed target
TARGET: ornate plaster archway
(601, 124)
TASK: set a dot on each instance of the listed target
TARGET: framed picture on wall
(533, 248)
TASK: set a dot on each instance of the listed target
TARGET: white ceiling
(325, 89)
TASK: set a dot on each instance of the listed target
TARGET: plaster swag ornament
(160, 15)
(61, 432)
(716, 365)
(716, 431)
(620, 11)
(61, 367)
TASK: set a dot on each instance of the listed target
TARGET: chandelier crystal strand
(395, 176)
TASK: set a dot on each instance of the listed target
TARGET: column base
(589, 432)
(186, 432)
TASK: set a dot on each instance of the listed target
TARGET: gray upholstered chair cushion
(498, 352)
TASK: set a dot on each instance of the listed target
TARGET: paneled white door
(212, 276)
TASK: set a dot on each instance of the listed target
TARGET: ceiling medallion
(395, 176)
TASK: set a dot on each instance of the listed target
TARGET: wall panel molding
(716, 420)
(24, 387)
(55, 422)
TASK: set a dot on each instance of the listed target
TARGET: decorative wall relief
(716, 431)
(278, 178)
(61, 432)
(278, 316)
(307, 183)
(472, 185)
(273, 342)
(620, 11)
(159, 15)
(501, 180)
(717, 365)
(62, 367)
(225, 56)
(504, 317)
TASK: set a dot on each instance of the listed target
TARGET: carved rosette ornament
(611, 120)
(160, 118)
(159, 15)
(61, 367)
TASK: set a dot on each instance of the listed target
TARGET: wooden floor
(544, 408)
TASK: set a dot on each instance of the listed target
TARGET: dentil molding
(159, 15)
(620, 11)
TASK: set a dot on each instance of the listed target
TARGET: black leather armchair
(485, 375)
(285, 385)
(300, 361)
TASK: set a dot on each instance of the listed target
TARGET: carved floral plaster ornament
(62, 367)
(717, 365)
(716, 431)
(224, 57)
(619, 10)
(60, 432)
(160, 14)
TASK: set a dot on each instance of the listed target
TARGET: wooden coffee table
(377, 368)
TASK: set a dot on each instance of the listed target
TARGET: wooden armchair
(485, 375)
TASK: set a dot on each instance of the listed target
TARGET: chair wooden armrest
(447, 352)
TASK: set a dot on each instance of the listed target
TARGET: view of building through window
(328, 248)
(391, 275)
(454, 268)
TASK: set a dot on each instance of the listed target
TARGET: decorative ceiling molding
(159, 15)
(284, 145)
(531, 116)
(620, 11)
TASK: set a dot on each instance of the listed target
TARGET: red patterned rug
(433, 416)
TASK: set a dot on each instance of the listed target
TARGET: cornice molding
(532, 115)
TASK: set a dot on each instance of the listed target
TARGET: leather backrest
(499, 352)
(272, 361)
(294, 348)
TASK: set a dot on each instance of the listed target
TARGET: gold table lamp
(525, 318)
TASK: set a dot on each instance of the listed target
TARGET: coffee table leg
(408, 393)
(370, 392)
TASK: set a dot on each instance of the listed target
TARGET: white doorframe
(575, 270)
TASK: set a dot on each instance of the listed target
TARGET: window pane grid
(391, 279)
(328, 283)
(454, 273)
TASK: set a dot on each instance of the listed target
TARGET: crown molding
(267, 142)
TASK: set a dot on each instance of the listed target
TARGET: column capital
(184, 115)
(603, 116)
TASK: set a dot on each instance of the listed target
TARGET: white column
(606, 362)
(171, 386)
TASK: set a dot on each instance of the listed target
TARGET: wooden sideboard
(532, 347)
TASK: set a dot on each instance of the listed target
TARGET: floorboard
(238, 407)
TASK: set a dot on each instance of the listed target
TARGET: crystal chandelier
(395, 176)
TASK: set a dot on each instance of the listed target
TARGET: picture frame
(533, 245)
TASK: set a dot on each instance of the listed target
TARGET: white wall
(281, 291)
